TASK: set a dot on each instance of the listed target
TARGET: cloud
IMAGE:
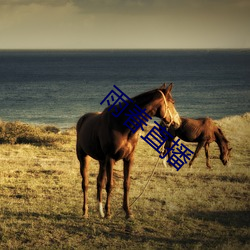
(17, 3)
(145, 6)
(124, 23)
(131, 7)
(42, 26)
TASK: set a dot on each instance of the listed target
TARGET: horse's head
(166, 110)
(223, 144)
(225, 155)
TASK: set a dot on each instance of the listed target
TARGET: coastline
(150, 123)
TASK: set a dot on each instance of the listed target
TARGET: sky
(124, 24)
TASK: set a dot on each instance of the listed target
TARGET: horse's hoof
(108, 216)
(85, 216)
(130, 216)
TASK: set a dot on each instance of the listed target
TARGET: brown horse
(105, 138)
(203, 131)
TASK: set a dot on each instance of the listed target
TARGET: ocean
(57, 87)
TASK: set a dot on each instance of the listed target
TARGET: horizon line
(114, 49)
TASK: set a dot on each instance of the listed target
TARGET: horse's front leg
(100, 185)
(110, 183)
(207, 155)
(126, 185)
(167, 146)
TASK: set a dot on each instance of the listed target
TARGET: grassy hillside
(41, 198)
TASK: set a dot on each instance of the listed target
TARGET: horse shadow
(236, 219)
(93, 229)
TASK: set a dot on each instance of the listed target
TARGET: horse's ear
(169, 88)
(163, 86)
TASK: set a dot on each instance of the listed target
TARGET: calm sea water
(57, 87)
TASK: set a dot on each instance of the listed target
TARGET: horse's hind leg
(100, 185)
(84, 170)
(126, 186)
(198, 148)
(167, 145)
(207, 155)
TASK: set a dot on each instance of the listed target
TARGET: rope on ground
(149, 179)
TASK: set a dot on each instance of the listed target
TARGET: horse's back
(204, 123)
(196, 129)
(85, 118)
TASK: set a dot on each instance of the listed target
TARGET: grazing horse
(203, 131)
(105, 138)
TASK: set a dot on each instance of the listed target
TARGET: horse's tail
(79, 124)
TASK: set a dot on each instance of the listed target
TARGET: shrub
(21, 133)
(52, 129)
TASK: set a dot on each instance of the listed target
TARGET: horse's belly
(124, 152)
(98, 140)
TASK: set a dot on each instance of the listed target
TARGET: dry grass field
(41, 197)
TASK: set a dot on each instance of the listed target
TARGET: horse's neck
(147, 102)
(221, 141)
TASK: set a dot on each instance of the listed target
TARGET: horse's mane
(146, 96)
(143, 98)
(220, 135)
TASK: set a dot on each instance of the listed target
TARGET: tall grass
(41, 199)
(21, 133)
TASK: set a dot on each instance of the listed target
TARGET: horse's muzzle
(176, 124)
